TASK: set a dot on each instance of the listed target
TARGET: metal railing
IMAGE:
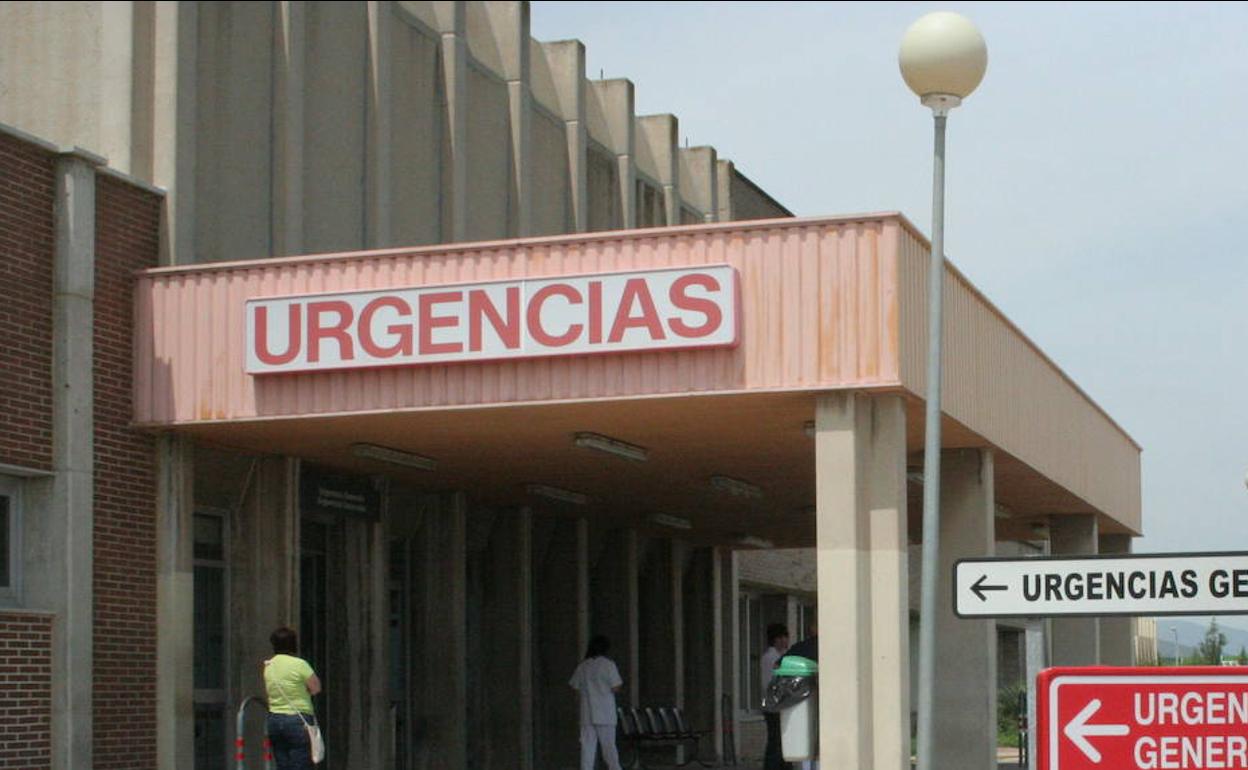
(240, 752)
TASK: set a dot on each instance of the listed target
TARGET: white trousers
(591, 737)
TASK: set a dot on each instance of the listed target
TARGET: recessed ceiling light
(754, 542)
(611, 446)
(736, 487)
(394, 456)
(1002, 512)
(555, 493)
(675, 522)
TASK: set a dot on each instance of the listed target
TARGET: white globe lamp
(943, 58)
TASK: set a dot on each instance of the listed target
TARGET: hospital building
(388, 322)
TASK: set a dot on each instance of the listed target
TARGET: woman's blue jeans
(289, 740)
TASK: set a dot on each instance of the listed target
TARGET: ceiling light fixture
(1001, 512)
(736, 487)
(675, 522)
(555, 493)
(394, 456)
(809, 427)
(611, 446)
(914, 476)
(755, 542)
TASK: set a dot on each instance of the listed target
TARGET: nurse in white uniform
(597, 680)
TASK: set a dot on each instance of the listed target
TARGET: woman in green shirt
(290, 684)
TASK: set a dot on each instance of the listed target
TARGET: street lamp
(942, 59)
(1175, 631)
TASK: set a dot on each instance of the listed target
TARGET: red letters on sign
(428, 322)
(480, 307)
(636, 290)
(402, 331)
(317, 331)
(536, 331)
(681, 299)
(293, 342)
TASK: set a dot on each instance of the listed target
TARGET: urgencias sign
(668, 309)
(1174, 718)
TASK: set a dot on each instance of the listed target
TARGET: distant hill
(1192, 633)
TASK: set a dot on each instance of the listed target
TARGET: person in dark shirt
(808, 647)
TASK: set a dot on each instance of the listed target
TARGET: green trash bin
(794, 691)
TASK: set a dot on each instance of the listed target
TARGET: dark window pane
(5, 577)
(209, 628)
(210, 748)
(209, 537)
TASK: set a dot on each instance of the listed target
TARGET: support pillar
(445, 698)
(288, 84)
(1076, 641)
(175, 602)
(890, 581)
(859, 521)
(1117, 633)
(964, 697)
(59, 577)
(718, 646)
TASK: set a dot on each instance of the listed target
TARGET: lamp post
(942, 59)
(1175, 631)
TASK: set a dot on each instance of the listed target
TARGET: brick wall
(25, 690)
(26, 186)
(126, 221)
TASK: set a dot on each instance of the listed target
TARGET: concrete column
(289, 29)
(890, 581)
(59, 552)
(263, 579)
(658, 664)
(1036, 662)
(174, 116)
(699, 169)
(377, 144)
(582, 584)
(557, 564)
(1117, 645)
(723, 184)
(732, 651)
(451, 17)
(613, 599)
(1075, 641)
(677, 576)
(505, 649)
(844, 454)
(613, 119)
(445, 743)
(632, 557)
(175, 603)
(719, 644)
(660, 134)
(964, 695)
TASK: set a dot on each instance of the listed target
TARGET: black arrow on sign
(979, 588)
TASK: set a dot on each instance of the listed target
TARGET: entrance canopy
(703, 345)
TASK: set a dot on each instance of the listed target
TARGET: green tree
(1243, 656)
(1209, 651)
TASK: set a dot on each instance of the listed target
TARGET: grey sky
(1098, 186)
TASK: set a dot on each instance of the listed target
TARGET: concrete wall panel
(333, 204)
(551, 180)
(234, 137)
(489, 157)
(417, 136)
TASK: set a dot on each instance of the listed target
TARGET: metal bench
(665, 726)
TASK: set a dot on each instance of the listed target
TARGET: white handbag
(316, 741)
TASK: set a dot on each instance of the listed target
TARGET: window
(10, 547)
(210, 634)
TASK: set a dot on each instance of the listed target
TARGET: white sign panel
(1165, 584)
(670, 309)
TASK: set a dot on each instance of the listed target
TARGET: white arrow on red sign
(1078, 730)
(1177, 718)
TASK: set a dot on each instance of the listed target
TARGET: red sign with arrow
(1180, 718)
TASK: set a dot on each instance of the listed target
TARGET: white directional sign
(1163, 584)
